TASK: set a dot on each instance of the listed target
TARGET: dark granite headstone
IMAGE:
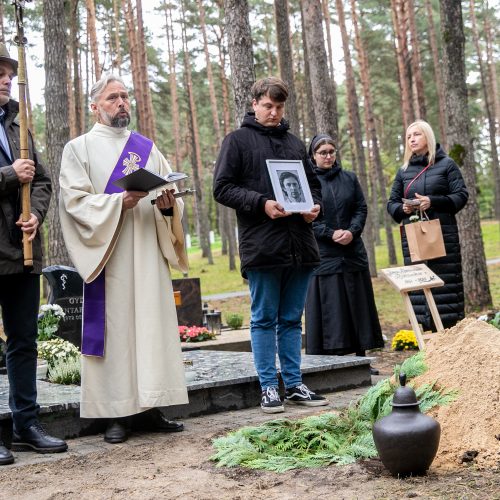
(66, 290)
(189, 313)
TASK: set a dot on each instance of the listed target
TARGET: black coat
(344, 207)
(11, 248)
(242, 182)
(444, 185)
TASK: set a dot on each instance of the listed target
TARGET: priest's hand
(166, 199)
(131, 198)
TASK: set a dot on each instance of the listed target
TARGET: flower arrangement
(65, 371)
(234, 320)
(404, 340)
(56, 349)
(414, 218)
(195, 334)
(48, 321)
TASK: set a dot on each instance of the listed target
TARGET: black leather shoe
(116, 432)
(6, 457)
(35, 438)
(161, 424)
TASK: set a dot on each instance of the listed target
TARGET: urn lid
(404, 396)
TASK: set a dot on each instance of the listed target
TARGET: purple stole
(135, 155)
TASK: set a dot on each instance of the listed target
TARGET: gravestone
(189, 313)
(66, 290)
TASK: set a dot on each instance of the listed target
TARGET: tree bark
(437, 74)
(56, 117)
(420, 108)
(490, 113)
(476, 284)
(323, 92)
(402, 56)
(326, 13)
(239, 37)
(371, 131)
(201, 211)
(117, 61)
(358, 150)
(285, 61)
(91, 28)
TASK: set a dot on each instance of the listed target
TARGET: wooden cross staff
(418, 277)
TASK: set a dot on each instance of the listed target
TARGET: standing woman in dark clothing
(433, 178)
(341, 316)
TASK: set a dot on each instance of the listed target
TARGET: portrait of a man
(290, 185)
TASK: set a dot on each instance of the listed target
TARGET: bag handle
(414, 179)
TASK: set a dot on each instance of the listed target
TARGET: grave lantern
(214, 322)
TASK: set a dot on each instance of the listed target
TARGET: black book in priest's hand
(145, 180)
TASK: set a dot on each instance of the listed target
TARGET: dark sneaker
(6, 456)
(270, 401)
(301, 395)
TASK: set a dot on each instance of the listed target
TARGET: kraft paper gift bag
(425, 240)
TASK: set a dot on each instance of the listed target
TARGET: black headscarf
(314, 142)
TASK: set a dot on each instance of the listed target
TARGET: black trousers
(19, 299)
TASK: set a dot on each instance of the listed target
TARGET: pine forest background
(190, 72)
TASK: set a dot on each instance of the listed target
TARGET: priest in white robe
(130, 243)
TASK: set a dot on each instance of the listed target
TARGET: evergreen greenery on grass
(325, 439)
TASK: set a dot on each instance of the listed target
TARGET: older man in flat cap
(20, 287)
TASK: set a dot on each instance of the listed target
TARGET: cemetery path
(178, 466)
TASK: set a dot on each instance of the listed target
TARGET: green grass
(218, 279)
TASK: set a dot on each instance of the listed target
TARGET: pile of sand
(467, 357)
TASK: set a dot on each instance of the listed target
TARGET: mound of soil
(467, 357)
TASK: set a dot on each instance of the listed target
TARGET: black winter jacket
(444, 185)
(11, 248)
(344, 207)
(242, 182)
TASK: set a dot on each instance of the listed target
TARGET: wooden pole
(23, 126)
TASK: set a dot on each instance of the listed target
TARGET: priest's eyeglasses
(324, 154)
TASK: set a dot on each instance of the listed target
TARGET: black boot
(6, 457)
(116, 431)
(36, 438)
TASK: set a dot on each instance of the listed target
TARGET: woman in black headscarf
(341, 316)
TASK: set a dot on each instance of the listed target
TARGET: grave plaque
(189, 313)
(410, 278)
(66, 290)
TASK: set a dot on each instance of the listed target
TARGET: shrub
(48, 321)
(57, 349)
(65, 371)
(234, 320)
(404, 340)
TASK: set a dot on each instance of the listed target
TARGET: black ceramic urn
(406, 440)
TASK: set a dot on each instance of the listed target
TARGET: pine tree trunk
(492, 69)
(117, 60)
(401, 56)
(420, 109)
(91, 21)
(371, 131)
(358, 151)
(488, 105)
(285, 61)
(476, 284)
(239, 37)
(172, 79)
(201, 211)
(308, 106)
(76, 83)
(326, 13)
(437, 74)
(56, 116)
(149, 118)
(323, 92)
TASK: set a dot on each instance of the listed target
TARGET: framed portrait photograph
(290, 185)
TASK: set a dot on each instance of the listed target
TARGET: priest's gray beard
(116, 121)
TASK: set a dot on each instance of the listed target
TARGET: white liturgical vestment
(142, 365)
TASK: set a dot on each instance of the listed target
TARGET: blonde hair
(426, 129)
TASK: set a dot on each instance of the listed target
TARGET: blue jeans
(278, 298)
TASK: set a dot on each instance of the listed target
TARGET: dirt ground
(177, 466)
(151, 466)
